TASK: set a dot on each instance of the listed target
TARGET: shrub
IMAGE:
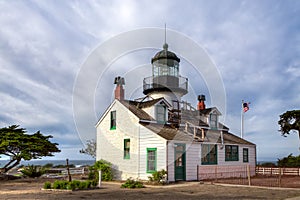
(60, 184)
(106, 171)
(71, 185)
(158, 177)
(33, 171)
(130, 183)
(47, 185)
(76, 183)
(83, 185)
(94, 183)
(66, 185)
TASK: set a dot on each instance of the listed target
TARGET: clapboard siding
(148, 139)
(251, 153)
(110, 143)
(171, 164)
(192, 161)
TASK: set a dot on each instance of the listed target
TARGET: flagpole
(242, 120)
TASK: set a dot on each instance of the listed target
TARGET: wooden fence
(278, 171)
(225, 171)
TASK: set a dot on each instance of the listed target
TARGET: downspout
(167, 155)
(222, 140)
(139, 146)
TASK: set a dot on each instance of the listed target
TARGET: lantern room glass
(165, 67)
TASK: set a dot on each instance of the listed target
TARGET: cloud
(43, 46)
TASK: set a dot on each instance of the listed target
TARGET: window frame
(209, 153)
(126, 149)
(164, 114)
(213, 123)
(113, 121)
(245, 156)
(230, 155)
(151, 171)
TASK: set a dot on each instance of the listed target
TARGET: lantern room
(165, 80)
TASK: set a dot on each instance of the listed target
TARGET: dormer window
(160, 111)
(213, 121)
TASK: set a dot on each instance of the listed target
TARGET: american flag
(246, 106)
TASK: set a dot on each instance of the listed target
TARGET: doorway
(180, 162)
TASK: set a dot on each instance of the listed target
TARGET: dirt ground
(31, 189)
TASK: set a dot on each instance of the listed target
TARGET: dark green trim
(113, 120)
(126, 155)
(231, 156)
(155, 160)
(245, 156)
(209, 154)
(183, 156)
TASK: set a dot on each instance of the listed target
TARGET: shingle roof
(213, 136)
(167, 131)
(132, 106)
(145, 104)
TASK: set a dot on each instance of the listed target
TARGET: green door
(179, 162)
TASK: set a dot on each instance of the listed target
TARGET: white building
(160, 131)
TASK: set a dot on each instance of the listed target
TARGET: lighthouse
(165, 81)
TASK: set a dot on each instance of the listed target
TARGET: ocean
(77, 163)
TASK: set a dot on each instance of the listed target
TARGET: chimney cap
(201, 97)
(119, 80)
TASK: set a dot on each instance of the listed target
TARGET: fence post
(279, 177)
(197, 172)
(248, 174)
(216, 175)
(68, 170)
(271, 170)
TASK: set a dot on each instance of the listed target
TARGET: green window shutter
(113, 120)
(245, 155)
(126, 148)
(209, 154)
(231, 153)
(151, 160)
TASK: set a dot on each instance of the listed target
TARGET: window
(113, 120)
(213, 121)
(245, 155)
(231, 153)
(126, 148)
(151, 160)
(160, 114)
(208, 154)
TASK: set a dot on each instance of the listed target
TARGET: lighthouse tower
(165, 81)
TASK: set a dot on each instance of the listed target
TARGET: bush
(130, 183)
(60, 185)
(66, 185)
(158, 177)
(33, 171)
(289, 161)
(71, 185)
(106, 171)
(47, 185)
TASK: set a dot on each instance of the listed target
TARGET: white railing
(278, 170)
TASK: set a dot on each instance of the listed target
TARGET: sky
(45, 46)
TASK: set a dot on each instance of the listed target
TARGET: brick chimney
(119, 91)
(201, 104)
